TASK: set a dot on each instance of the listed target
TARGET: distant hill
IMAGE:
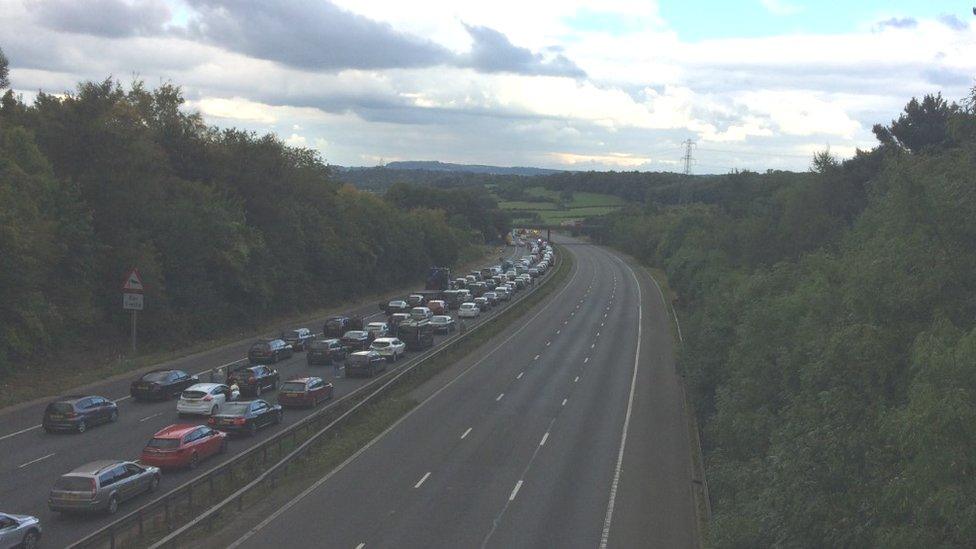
(435, 166)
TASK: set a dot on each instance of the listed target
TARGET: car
(420, 313)
(503, 294)
(478, 289)
(415, 300)
(365, 363)
(269, 351)
(247, 417)
(102, 486)
(76, 413)
(161, 384)
(464, 295)
(254, 380)
(205, 398)
(19, 531)
(519, 283)
(482, 303)
(390, 348)
(183, 445)
(395, 320)
(335, 326)
(534, 272)
(397, 306)
(471, 279)
(469, 310)
(492, 298)
(299, 339)
(460, 283)
(305, 391)
(378, 329)
(325, 351)
(443, 324)
(355, 340)
(437, 306)
(451, 299)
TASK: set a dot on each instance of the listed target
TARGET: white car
(205, 398)
(421, 313)
(19, 531)
(378, 329)
(469, 310)
(502, 293)
(390, 348)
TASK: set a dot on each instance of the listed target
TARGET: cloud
(779, 7)
(492, 51)
(953, 22)
(309, 34)
(109, 18)
(898, 23)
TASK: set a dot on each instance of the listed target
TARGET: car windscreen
(320, 345)
(355, 335)
(293, 387)
(440, 320)
(359, 359)
(156, 376)
(381, 344)
(193, 394)
(73, 484)
(60, 408)
(164, 443)
(235, 408)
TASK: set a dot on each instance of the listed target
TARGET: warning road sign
(133, 282)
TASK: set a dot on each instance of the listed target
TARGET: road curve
(526, 448)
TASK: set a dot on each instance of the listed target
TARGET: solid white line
(545, 437)
(515, 491)
(605, 537)
(576, 380)
(422, 479)
(520, 375)
(147, 418)
(499, 397)
(35, 460)
(466, 433)
(22, 431)
(564, 401)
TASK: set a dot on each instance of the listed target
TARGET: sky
(566, 84)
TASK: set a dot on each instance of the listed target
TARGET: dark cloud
(109, 18)
(492, 51)
(310, 34)
(899, 23)
(947, 77)
(951, 21)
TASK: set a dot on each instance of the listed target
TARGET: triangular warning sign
(133, 282)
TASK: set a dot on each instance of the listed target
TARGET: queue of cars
(101, 486)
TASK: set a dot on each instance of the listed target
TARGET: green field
(554, 211)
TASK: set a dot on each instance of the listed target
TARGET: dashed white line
(536, 357)
(545, 437)
(126, 397)
(21, 466)
(20, 432)
(592, 345)
(598, 334)
(499, 397)
(147, 418)
(515, 491)
(466, 433)
(602, 324)
(361, 545)
(548, 343)
(576, 380)
(564, 401)
(585, 360)
(422, 479)
(557, 331)
(520, 375)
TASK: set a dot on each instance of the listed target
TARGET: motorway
(32, 460)
(566, 430)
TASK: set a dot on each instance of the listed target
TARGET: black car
(161, 384)
(415, 300)
(355, 340)
(337, 325)
(365, 363)
(395, 320)
(299, 339)
(325, 351)
(254, 380)
(269, 351)
(78, 413)
(246, 417)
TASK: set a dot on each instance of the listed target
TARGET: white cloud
(781, 7)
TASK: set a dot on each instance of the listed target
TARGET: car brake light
(239, 421)
(92, 487)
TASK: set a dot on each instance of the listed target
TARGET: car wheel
(194, 461)
(30, 540)
(252, 429)
(82, 426)
(213, 411)
(154, 483)
(114, 416)
(278, 417)
(113, 505)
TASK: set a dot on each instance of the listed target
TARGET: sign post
(132, 299)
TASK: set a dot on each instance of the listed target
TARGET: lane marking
(466, 433)
(557, 331)
(499, 397)
(515, 491)
(126, 397)
(592, 345)
(147, 418)
(35, 460)
(22, 431)
(576, 380)
(520, 375)
(598, 334)
(585, 360)
(536, 357)
(548, 343)
(422, 479)
(361, 545)
(545, 437)
(564, 401)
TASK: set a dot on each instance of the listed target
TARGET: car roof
(95, 467)
(362, 353)
(300, 380)
(387, 339)
(203, 386)
(446, 317)
(176, 431)
(70, 398)
(377, 324)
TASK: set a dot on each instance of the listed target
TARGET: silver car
(101, 486)
(19, 531)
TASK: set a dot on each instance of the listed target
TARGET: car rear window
(335, 323)
(319, 345)
(261, 347)
(193, 394)
(156, 376)
(164, 443)
(294, 334)
(60, 407)
(293, 387)
(355, 334)
(73, 484)
(380, 344)
(235, 408)
(359, 359)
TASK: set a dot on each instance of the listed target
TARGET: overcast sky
(615, 84)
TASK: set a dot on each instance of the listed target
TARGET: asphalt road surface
(569, 431)
(32, 460)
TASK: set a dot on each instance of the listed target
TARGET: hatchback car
(397, 306)
(183, 445)
(492, 297)
(355, 340)
(482, 303)
(22, 531)
(378, 329)
(365, 363)
(161, 384)
(77, 413)
(306, 391)
(416, 300)
(270, 351)
(420, 313)
(247, 417)
(254, 380)
(443, 324)
(299, 339)
(102, 486)
(325, 351)
(502, 293)
(468, 310)
(389, 348)
(205, 398)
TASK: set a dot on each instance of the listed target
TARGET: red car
(306, 391)
(183, 445)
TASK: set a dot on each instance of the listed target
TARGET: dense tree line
(227, 228)
(830, 323)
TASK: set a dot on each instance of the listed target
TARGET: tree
(4, 70)
(923, 125)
